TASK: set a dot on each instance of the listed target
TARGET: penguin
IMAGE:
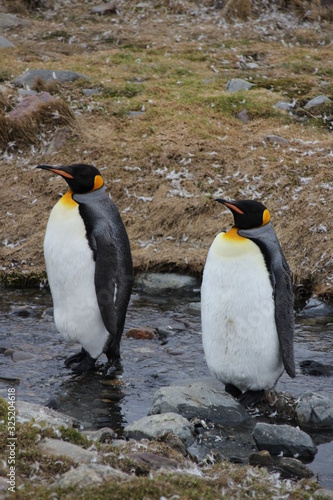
(247, 305)
(89, 266)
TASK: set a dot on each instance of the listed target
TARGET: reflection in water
(33, 353)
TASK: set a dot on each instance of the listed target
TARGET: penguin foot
(82, 362)
(250, 398)
(113, 368)
(232, 390)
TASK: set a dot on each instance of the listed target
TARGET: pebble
(314, 411)
(317, 101)
(285, 439)
(155, 426)
(236, 84)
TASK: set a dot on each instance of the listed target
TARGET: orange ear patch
(98, 182)
(266, 217)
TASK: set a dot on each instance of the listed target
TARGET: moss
(75, 437)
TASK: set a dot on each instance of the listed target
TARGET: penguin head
(80, 177)
(248, 214)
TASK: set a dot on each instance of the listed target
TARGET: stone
(90, 92)
(30, 105)
(141, 333)
(58, 140)
(152, 461)
(156, 283)
(262, 458)
(285, 106)
(104, 9)
(103, 435)
(193, 308)
(314, 411)
(28, 77)
(290, 468)
(316, 308)
(285, 439)
(317, 101)
(203, 399)
(236, 84)
(11, 21)
(92, 474)
(315, 368)
(5, 44)
(154, 426)
(41, 414)
(276, 139)
(69, 450)
(323, 494)
(244, 116)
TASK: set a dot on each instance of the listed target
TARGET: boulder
(29, 77)
(314, 411)
(72, 451)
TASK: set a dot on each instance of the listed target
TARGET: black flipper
(279, 272)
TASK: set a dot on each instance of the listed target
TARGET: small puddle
(32, 357)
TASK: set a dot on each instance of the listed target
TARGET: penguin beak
(231, 206)
(57, 171)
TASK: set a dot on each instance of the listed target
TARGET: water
(32, 357)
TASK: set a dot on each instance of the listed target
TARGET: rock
(284, 439)
(276, 139)
(72, 451)
(236, 84)
(135, 114)
(262, 458)
(28, 77)
(292, 468)
(22, 312)
(251, 65)
(11, 21)
(5, 44)
(51, 418)
(104, 9)
(244, 116)
(103, 435)
(90, 92)
(316, 308)
(311, 367)
(203, 399)
(317, 101)
(31, 105)
(141, 333)
(314, 411)
(53, 403)
(155, 426)
(193, 308)
(156, 283)
(323, 494)
(285, 106)
(22, 356)
(58, 140)
(92, 474)
(152, 461)
(174, 442)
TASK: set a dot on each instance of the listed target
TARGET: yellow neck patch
(233, 235)
(98, 182)
(67, 200)
(266, 217)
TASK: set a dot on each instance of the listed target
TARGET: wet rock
(11, 21)
(31, 105)
(262, 458)
(5, 44)
(236, 84)
(317, 101)
(323, 494)
(311, 367)
(53, 403)
(51, 418)
(314, 411)
(72, 451)
(156, 283)
(204, 399)
(276, 139)
(244, 116)
(154, 426)
(152, 461)
(22, 312)
(141, 333)
(290, 468)
(48, 314)
(104, 9)
(103, 435)
(193, 308)
(22, 356)
(284, 439)
(29, 77)
(315, 308)
(285, 106)
(91, 474)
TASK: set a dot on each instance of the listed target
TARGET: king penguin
(89, 266)
(247, 305)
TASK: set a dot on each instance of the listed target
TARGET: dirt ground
(165, 132)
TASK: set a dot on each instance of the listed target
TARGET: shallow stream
(32, 357)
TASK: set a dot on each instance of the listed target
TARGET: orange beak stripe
(233, 207)
(62, 173)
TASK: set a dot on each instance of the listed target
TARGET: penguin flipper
(279, 272)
